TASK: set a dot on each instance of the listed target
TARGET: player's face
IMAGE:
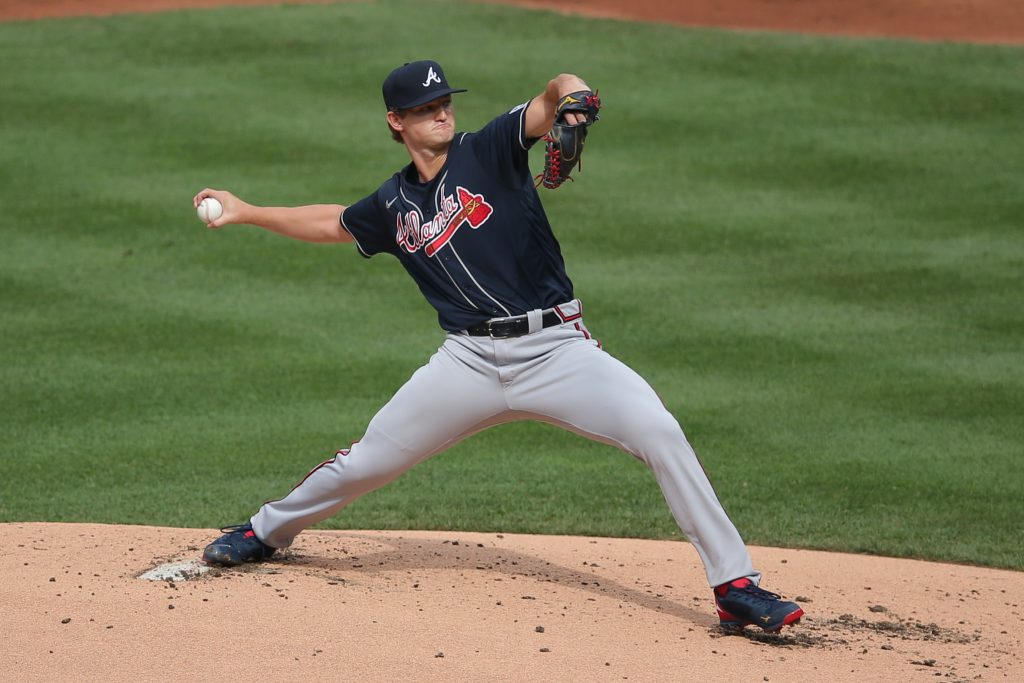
(432, 123)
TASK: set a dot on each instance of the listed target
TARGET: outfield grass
(812, 248)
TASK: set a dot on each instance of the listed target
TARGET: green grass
(811, 247)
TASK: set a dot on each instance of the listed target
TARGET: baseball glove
(563, 146)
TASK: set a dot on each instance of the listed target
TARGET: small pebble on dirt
(878, 608)
(539, 629)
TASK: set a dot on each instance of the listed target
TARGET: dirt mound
(422, 606)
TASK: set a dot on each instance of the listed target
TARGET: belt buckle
(505, 334)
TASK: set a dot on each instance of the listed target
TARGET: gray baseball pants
(558, 375)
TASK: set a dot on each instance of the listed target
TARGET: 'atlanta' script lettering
(464, 207)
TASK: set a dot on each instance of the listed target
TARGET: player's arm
(540, 113)
(310, 223)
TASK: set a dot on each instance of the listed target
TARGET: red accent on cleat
(737, 583)
(793, 618)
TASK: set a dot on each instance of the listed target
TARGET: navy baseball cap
(415, 83)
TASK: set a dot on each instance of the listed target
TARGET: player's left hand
(573, 118)
(564, 144)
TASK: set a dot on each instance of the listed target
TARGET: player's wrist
(248, 214)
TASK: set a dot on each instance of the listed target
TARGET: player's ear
(395, 121)
(396, 133)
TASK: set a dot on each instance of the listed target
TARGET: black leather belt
(517, 326)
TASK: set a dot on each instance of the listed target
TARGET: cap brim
(431, 96)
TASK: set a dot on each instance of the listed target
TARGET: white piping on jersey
(455, 284)
(522, 123)
(486, 293)
(438, 193)
(411, 203)
(341, 219)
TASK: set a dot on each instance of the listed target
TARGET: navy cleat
(741, 603)
(237, 546)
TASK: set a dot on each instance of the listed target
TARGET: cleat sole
(736, 626)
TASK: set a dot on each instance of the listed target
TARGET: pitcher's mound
(447, 606)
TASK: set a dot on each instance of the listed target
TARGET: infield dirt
(441, 606)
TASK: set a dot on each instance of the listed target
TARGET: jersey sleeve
(367, 222)
(503, 143)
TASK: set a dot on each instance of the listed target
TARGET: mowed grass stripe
(810, 246)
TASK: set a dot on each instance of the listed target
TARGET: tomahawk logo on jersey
(455, 234)
(413, 233)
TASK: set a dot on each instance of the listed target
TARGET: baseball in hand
(209, 210)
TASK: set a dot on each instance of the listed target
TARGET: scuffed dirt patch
(441, 606)
(176, 571)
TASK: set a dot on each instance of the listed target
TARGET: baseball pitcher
(465, 220)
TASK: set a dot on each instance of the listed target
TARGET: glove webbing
(551, 177)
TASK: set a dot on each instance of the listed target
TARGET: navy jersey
(475, 238)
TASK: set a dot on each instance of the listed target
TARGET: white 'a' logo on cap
(431, 76)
